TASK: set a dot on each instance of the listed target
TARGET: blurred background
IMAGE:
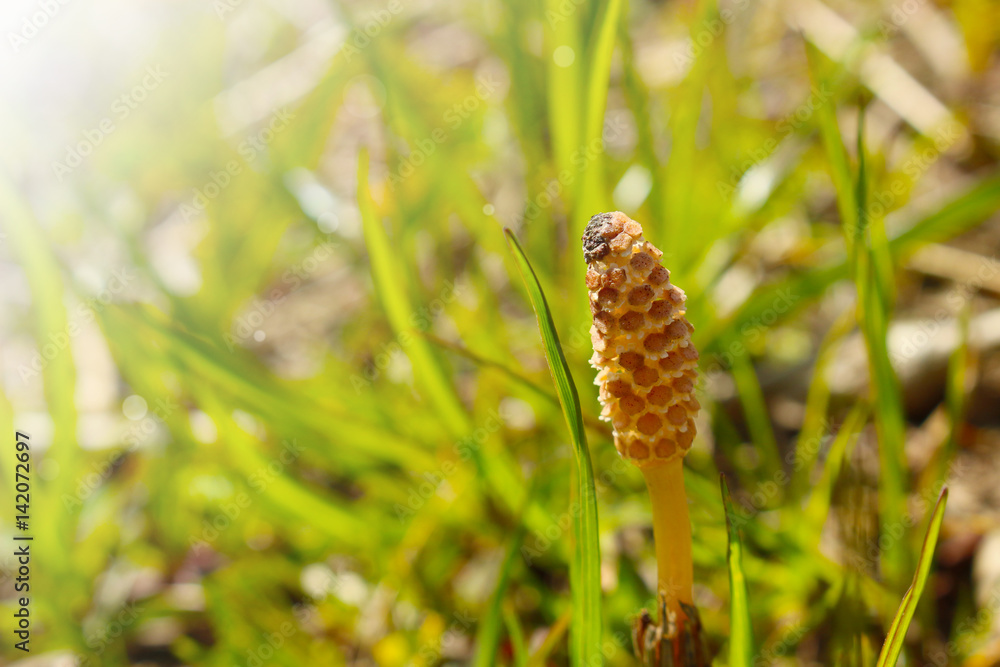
(286, 396)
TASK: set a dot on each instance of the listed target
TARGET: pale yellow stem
(671, 533)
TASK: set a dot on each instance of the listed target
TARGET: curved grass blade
(838, 160)
(874, 311)
(815, 424)
(869, 259)
(970, 207)
(287, 495)
(556, 631)
(820, 498)
(585, 579)
(966, 209)
(897, 631)
(741, 648)
(488, 632)
(502, 474)
(389, 282)
(518, 646)
(758, 419)
(53, 328)
(589, 420)
(262, 394)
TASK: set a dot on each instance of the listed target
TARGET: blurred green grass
(426, 487)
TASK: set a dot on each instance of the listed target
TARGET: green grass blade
(873, 316)
(541, 655)
(956, 386)
(639, 100)
(958, 214)
(757, 416)
(814, 423)
(585, 577)
(516, 377)
(501, 474)
(260, 393)
(564, 85)
(53, 329)
(836, 153)
(287, 495)
(389, 283)
(741, 646)
(686, 107)
(488, 632)
(897, 631)
(971, 207)
(592, 196)
(820, 498)
(869, 259)
(517, 643)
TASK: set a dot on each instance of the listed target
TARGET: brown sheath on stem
(647, 368)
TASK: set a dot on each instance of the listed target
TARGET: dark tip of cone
(595, 246)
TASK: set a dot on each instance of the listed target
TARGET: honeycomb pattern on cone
(646, 363)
